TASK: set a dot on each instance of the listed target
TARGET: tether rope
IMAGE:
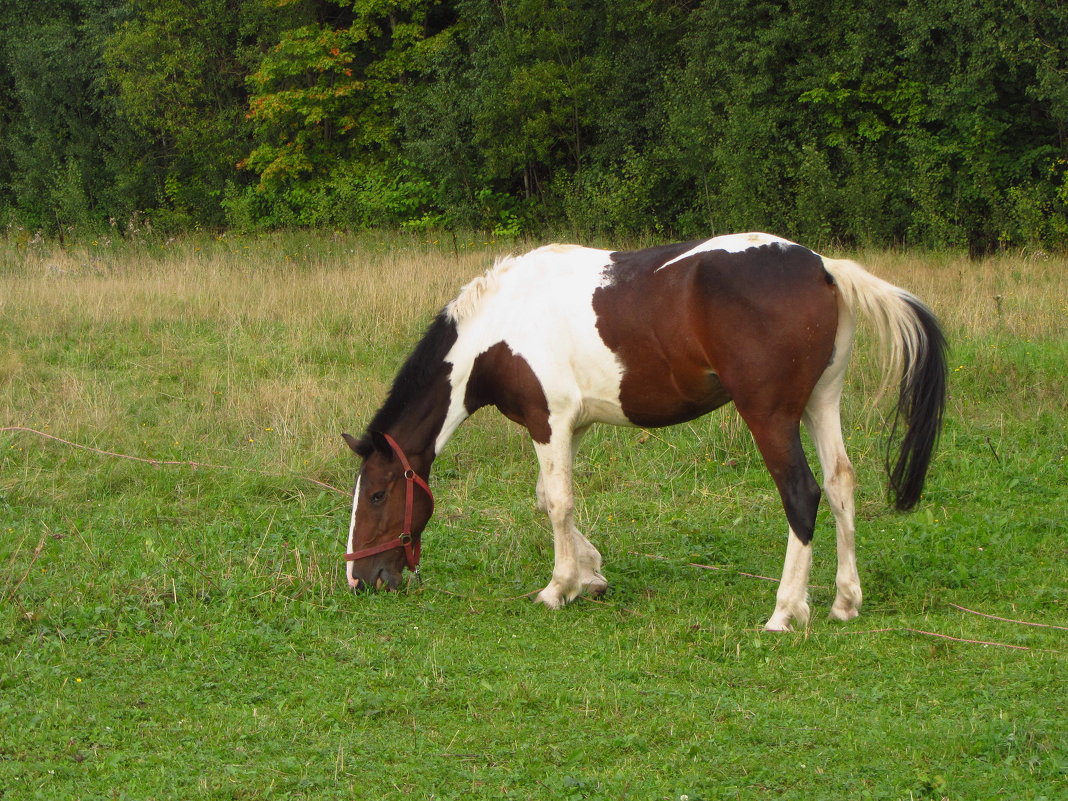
(170, 462)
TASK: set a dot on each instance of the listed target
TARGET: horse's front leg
(577, 564)
(539, 490)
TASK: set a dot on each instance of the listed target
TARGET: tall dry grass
(213, 348)
(222, 345)
(1022, 294)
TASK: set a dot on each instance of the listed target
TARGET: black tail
(921, 402)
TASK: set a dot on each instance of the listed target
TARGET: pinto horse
(567, 336)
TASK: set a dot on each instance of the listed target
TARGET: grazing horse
(567, 336)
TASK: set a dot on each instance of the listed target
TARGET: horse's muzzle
(381, 579)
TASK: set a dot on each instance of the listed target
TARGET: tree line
(940, 123)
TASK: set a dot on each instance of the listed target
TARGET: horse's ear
(373, 441)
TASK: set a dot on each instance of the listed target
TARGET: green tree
(938, 123)
(539, 113)
(989, 153)
(179, 69)
(943, 122)
(322, 108)
(62, 143)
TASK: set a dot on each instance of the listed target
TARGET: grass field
(185, 632)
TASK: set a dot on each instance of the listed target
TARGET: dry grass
(235, 285)
(238, 341)
(1021, 295)
(293, 338)
(248, 281)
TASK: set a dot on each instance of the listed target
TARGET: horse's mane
(473, 295)
(426, 360)
(421, 367)
(469, 301)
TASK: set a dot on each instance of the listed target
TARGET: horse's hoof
(597, 587)
(550, 598)
(843, 614)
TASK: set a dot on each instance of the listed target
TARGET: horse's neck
(455, 409)
(421, 426)
(442, 407)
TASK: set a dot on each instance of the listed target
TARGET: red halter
(411, 544)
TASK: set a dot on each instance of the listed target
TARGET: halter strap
(412, 545)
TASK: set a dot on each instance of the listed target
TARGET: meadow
(183, 629)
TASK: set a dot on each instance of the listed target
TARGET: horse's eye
(378, 497)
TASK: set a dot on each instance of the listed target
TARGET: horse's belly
(670, 399)
(653, 401)
(599, 410)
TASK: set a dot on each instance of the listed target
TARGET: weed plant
(186, 632)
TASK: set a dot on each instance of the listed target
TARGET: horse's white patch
(732, 243)
(473, 294)
(352, 533)
(791, 599)
(542, 307)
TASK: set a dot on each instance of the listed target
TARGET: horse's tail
(914, 347)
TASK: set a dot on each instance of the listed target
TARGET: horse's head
(390, 508)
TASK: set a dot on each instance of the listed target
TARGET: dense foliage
(941, 122)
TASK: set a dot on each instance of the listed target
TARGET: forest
(911, 123)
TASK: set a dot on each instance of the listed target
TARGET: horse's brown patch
(502, 378)
(715, 327)
(755, 326)
(667, 376)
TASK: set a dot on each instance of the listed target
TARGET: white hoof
(551, 598)
(847, 602)
(784, 618)
(772, 625)
(596, 586)
(843, 613)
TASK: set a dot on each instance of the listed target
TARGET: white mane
(464, 305)
(475, 293)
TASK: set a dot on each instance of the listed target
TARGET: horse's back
(655, 336)
(714, 320)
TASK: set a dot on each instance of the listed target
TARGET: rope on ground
(940, 636)
(884, 630)
(168, 462)
(1008, 619)
(711, 567)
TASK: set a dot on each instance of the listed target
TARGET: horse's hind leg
(779, 439)
(577, 564)
(791, 599)
(823, 421)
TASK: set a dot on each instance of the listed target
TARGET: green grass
(177, 632)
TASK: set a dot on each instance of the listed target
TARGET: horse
(567, 336)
